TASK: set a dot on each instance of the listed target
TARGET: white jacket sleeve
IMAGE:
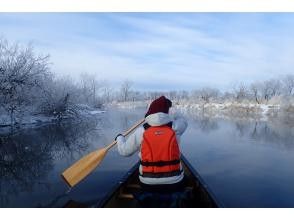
(179, 124)
(128, 146)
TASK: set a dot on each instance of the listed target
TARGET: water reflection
(237, 154)
(22, 165)
(246, 163)
(267, 132)
(205, 124)
(275, 130)
(26, 158)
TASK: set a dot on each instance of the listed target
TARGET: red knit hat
(161, 104)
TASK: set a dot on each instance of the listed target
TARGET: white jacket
(127, 147)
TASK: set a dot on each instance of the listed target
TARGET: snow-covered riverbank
(83, 111)
(224, 110)
(128, 105)
(220, 110)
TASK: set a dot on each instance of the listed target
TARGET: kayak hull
(123, 195)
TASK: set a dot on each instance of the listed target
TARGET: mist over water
(246, 163)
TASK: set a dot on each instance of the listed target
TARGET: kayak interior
(122, 195)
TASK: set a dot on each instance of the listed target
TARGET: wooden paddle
(80, 169)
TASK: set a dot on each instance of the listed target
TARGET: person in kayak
(158, 143)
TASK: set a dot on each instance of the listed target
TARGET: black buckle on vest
(159, 163)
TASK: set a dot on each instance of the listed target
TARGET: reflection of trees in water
(273, 131)
(129, 118)
(26, 158)
(205, 124)
(23, 164)
(242, 127)
(278, 130)
(124, 119)
(68, 139)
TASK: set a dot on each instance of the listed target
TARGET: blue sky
(161, 51)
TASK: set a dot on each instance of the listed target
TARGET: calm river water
(245, 163)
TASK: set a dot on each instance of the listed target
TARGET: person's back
(158, 144)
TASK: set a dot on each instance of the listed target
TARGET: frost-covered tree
(240, 92)
(151, 95)
(107, 92)
(207, 94)
(271, 88)
(275, 87)
(59, 98)
(256, 91)
(183, 95)
(22, 74)
(125, 90)
(172, 94)
(91, 88)
(288, 84)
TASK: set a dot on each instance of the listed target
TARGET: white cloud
(176, 50)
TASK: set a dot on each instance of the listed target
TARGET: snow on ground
(129, 105)
(28, 119)
(220, 110)
(86, 110)
(230, 109)
(38, 119)
(94, 112)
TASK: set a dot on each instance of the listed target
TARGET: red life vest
(160, 153)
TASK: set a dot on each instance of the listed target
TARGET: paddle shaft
(125, 134)
(83, 167)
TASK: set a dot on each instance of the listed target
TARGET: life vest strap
(159, 163)
(161, 174)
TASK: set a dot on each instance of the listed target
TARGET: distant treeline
(28, 86)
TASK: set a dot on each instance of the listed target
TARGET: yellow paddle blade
(83, 167)
(88, 163)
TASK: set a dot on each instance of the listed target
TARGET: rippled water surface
(245, 163)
